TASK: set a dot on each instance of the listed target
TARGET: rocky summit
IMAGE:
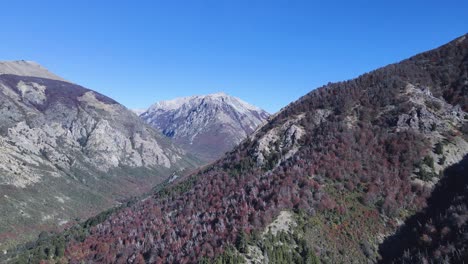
(67, 152)
(208, 125)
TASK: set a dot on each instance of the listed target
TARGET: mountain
(328, 179)
(208, 125)
(68, 152)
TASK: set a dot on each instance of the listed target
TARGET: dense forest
(353, 160)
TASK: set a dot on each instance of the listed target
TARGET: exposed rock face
(282, 139)
(58, 139)
(435, 118)
(206, 125)
(103, 132)
(428, 113)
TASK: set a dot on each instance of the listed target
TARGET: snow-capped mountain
(207, 125)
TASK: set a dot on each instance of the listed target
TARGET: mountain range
(369, 170)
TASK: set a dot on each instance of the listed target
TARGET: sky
(269, 53)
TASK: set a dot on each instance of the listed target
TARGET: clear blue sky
(267, 52)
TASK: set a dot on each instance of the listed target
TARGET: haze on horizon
(268, 53)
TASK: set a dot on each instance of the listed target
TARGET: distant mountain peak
(219, 97)
(27, 68)
(208, 125)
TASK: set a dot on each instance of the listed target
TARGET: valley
(344, 174)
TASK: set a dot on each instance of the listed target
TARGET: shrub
(429, 161)
(439, 148)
